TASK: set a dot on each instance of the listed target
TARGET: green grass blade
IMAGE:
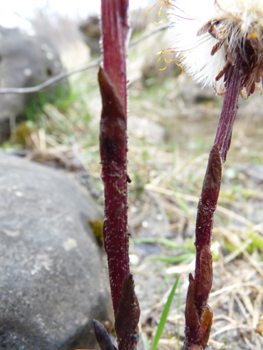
(184, 258)
(163, 318)
(167, 242)
(145, 342)
(178, 313)
(182, 205)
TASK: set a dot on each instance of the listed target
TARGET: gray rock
(26, 61)
(52, 279)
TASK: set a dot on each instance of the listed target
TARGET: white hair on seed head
(209, 35)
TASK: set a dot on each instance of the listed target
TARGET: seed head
(210, 36)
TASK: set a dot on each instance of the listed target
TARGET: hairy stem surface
(113, 141)
(113, 151)
(229, 112)
(198, 314)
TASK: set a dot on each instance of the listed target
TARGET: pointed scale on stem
(192, 319)
(102, 336)
(198, 315)
(206, 207)
(202, 283)
(113, 140)
(205, 280)
(113, 151)
(127, 317)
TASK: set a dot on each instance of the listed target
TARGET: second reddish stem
(229, 112)
(197, 313)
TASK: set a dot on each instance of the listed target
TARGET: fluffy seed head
(210, 36)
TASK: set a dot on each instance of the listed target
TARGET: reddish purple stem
(113, 141)
(229, 112)
(212, 180)
(113, 151)
(197, 313)
(204, 224)
(114, 28)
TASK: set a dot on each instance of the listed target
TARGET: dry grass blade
(239, 250)
(253, 263)
(194, 199)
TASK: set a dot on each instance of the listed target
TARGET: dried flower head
(210, 36)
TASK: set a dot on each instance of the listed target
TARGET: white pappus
(209, 36)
